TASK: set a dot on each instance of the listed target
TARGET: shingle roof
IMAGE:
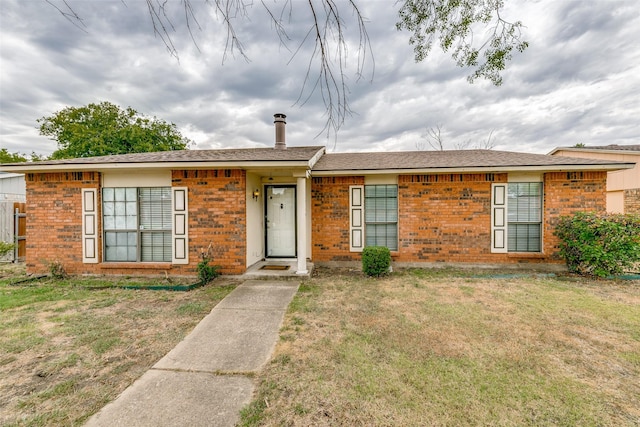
(180, 156)
(331, 163)
(444, 160)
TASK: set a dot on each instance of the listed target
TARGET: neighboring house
(154, 213)
(12, 187)
(623, 186)
(12, 192)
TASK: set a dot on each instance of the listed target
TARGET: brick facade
(442, 218)
(216, 216)
(330, 218)
(54, 220)
(447, 218)
(632, 201)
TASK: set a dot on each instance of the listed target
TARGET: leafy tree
(7, 157)
(102, 129)
(451, 22)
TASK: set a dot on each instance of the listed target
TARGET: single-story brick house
(623, 186)
(153, 213)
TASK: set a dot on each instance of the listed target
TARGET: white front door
(281, 221)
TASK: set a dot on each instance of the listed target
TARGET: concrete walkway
(204, 380)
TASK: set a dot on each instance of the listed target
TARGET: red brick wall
(330, 218)
(632, 201)
(216, 216)
(447, 218)
(54, 220)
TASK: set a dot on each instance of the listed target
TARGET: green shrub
(206, 271)
(376, 260)
(599, 245)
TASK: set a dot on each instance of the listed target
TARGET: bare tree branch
(69, 14)
(433, 138)
(450, 21)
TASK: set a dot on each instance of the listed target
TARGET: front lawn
(450, 348)
(68, 347)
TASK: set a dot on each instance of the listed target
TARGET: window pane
(131, 194)
(121, 223)
(156, 246)
(109, 222)
(120, 209)
(120, 246)
(108, 208)
(155, 208)
(110, 239)
(107, 194)
(131, 208)
(524, 238)
(132, 222)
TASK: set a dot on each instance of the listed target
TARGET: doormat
(275, 267)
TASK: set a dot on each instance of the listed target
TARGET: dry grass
(445, 348)
(67, 348)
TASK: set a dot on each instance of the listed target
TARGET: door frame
(295, 220)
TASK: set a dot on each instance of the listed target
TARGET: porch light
(256, 194)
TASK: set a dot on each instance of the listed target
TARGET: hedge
(600, 245)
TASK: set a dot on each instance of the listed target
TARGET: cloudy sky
(579, 81)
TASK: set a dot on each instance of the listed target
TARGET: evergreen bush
(376, 260)
(599, 245)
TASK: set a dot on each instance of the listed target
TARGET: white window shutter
(499, 218)
(180, 226)
(89, 226)
(356, 218)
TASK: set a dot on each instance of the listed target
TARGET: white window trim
(499, 218)
(180, 225)
(89, 225)
(356, 218)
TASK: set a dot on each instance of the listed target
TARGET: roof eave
(261, 164)
(475, 169)
(593, 150)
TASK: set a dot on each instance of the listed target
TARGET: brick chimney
(280, 122)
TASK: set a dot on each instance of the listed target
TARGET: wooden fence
(13, 229)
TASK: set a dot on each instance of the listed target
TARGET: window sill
(531, 255)
(136, 265)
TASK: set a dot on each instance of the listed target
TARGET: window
(516, 217)
(524, 216)
(381, 215)
(137, 224)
